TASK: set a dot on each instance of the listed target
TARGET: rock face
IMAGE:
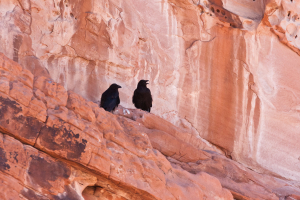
(55, 144)
(227, 70)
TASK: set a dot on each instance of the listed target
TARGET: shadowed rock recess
(55, 144)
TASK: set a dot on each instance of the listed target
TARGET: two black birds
(141, 99)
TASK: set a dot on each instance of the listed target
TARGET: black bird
(110, 98)
(142, 98)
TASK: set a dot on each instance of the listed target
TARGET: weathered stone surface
(95, 193)
(242, 182)
(79, 105)
(13, 120)
(166, 143)
(185, 134)
(20, 92)
(217, 67)
(69, 154)
(54, 93)
(59, 137)
(283, 18)
(37, 109)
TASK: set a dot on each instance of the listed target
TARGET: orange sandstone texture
(227, 70)
(93, 154)
(85, 153)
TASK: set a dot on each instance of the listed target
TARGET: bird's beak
(119, 87)
(147, 81)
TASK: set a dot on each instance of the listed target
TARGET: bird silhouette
(142, 98)
(110, 98)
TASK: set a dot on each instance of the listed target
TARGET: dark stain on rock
(224, 15)
(42, 172)
(3, 165)
(6, 102)
(31, 126)
(14, 155)
(13, 122)
(30, 194)
(17, 42)
(63, 139)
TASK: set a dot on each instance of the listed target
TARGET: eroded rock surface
(83, 152)
(93, 154)
(227, 70)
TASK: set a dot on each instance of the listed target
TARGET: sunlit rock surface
(55, 144)
(226, 69)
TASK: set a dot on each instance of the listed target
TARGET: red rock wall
(227, 69)
(56, 145)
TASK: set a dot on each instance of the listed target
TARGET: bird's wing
(136, 98)
(109, 100)
(103, 99)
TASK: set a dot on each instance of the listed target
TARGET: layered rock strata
(228, 69)
(55, 144)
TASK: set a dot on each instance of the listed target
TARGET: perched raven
(110, 98)
(142, 98)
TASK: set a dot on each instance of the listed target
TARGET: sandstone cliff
(56, 145)
(227, 68)
(222, 70)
